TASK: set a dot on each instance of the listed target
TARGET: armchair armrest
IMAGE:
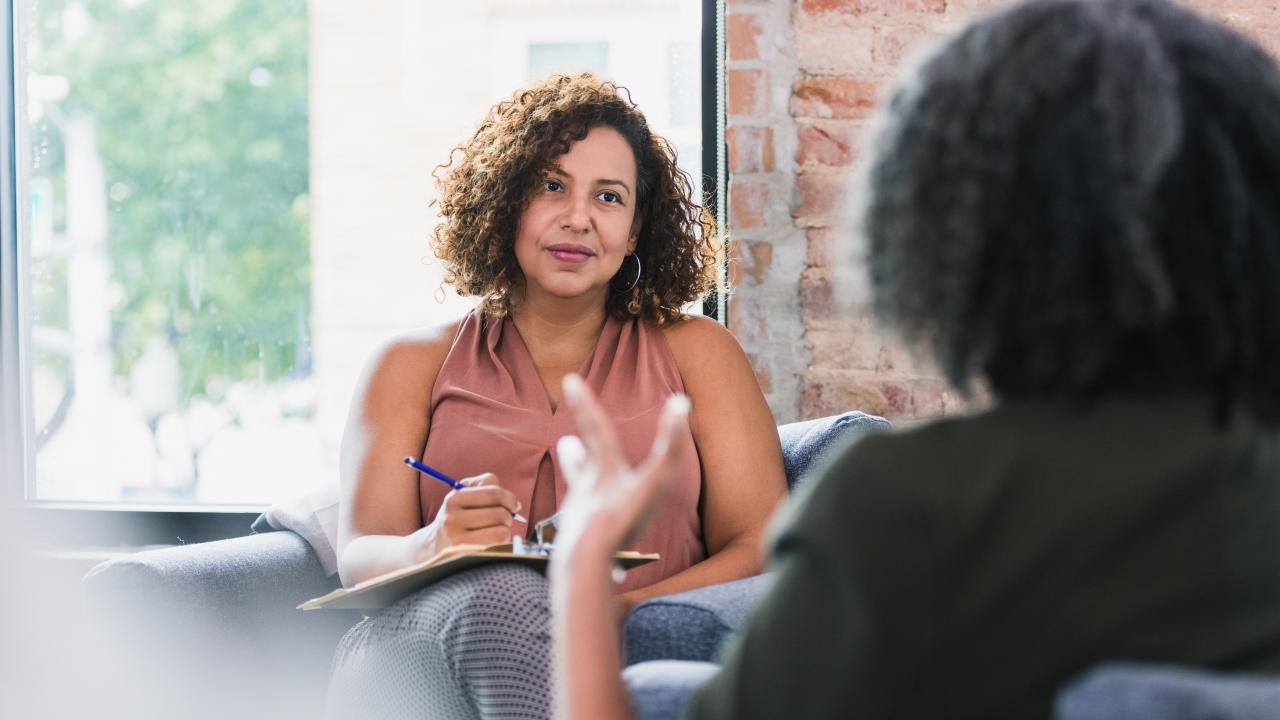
(691, 625)
(228, 581)
(663, 689)
(806, 443)
(215, 625)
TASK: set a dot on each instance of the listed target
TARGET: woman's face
(580, 222)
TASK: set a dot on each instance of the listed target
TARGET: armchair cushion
(690, 625)
(806, 443)
(1118, 691)
(216, 580)
(662, 689)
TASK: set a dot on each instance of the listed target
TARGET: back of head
(1078, 197)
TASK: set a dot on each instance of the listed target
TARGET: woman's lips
(569, 255)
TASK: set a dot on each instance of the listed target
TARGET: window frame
(89, 524)
(715, 163)
(13, 403)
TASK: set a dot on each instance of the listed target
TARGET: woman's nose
(576, 217)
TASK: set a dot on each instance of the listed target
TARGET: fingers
(487, 536)
(488, 525)
(599, 439)
(573, 461)
(481, 518)
(594, 426)
(480, 480)
(482, 491)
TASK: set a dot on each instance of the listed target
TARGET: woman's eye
(610, 197)
(552, 186)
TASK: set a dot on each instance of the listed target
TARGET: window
(219, 208)
(568, 58)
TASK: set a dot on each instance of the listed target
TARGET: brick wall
(769, 251)
(803, 77)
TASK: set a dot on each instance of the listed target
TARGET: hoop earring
(635, 282)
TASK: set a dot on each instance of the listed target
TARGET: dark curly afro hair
(483, 193)
(1077, 197)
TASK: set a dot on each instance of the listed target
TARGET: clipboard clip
(545, 530)
(544, 535)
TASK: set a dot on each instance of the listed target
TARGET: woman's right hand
(479, 514)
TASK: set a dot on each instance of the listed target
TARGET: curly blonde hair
(482, 195)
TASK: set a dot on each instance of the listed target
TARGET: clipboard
(384, 590)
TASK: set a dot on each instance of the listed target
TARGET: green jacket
(969, 568)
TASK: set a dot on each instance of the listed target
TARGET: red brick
(750, 149)
(835, 49)
(933, 397)
(749, 262)
(748, 92)
(821, 6)
(904, 360)
(858, 7)
(895, 43)
(761, 254)
(923, 6)
(897, 397)
(834, 97)
(834, 144)
(746, 322)
(816, 398)
(819, 242)
(853, 345)
(831, 392)
(894, 395)
(1221, 8)
(748, 202)
(960, 11)
(743, 33)
(817, 299)
(819, 196)
(736, 262)
(826, 305)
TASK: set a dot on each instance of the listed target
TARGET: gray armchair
(1117, 691)
(215, 622)
(662, 689)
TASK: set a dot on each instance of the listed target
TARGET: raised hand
(608, 499)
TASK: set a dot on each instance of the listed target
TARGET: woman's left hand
(609, 500)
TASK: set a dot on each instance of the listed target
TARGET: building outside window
(224, 206)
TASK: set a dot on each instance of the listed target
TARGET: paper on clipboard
(386, 589)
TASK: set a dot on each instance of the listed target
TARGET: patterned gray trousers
(474, 645)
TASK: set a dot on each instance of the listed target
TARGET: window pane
(227, 206)
(567, 58)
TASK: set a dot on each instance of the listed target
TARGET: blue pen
(447, 480)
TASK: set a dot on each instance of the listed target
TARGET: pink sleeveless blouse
(490, 413)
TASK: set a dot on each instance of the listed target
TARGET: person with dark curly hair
(571, 222)
(1073, 205)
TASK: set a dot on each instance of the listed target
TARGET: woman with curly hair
(571, 222)
(1074, 204)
